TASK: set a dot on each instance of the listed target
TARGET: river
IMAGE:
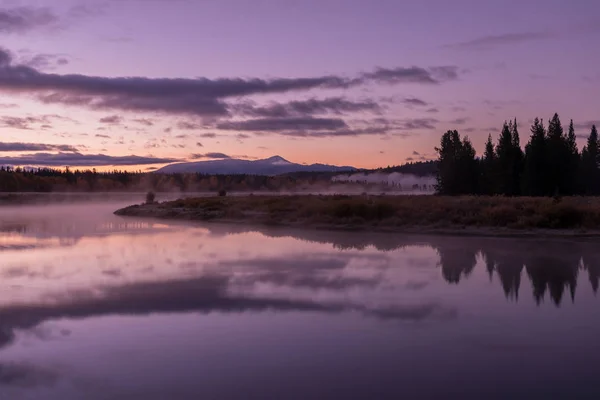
(95, 306)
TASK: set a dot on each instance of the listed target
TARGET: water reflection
(75, 271)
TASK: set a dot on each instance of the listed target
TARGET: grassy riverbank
(396, 213)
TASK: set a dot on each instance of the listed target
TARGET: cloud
(587, 125)
(284, 124)
(433, 75)
(507, 39)
(144, 121)
(460, 121)
(188, 126)
(81, 160)
(416, 153)
(182, 136)
(432, 110)
(375, 130)
(198, 156)
(200, 97)
(417, 123)
(25, 19)
(14, 147)
(328, 127)
(46, 61)
(99, 135)
(198, 144)
(113, 120)
(413, 101)
(208, 135)
(23, 122)
(300, 108)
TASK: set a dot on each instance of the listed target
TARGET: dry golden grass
(386, 211)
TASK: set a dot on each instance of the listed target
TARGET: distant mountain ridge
(275, 165)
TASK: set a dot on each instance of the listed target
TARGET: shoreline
(382, 214)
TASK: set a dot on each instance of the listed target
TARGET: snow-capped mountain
(269, 166)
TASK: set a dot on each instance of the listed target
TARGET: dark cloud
(413, 101)
(99, 135)
(197, 156)
(208, 135)
(329, 127)
(45, 61)
(416, 153)
(14, 147)
(284, 124)
(433, 75)
(300, 108)
(113, 120)
(200, 97)
(374, 130)
(432, 110)
(182, 136)
(23, 122)
(25, 19)
(242, 136)
(81, 160)
(507, 39)
(198, 144)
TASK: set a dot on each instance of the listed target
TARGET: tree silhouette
(458, 168)
(550, 165)
(589, 164)
(488, 169)
(536, 180)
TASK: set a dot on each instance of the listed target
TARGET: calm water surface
(94, 306)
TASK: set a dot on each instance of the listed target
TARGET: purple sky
(363, 83)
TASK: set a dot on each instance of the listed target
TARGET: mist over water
(395, 181)
(97, 306)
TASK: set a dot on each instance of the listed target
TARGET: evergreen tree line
(550, 165)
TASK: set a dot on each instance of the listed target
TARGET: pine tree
(488, 175)
(504, 156)
(457, 171)
(518, 160)
(571, 173)
(509, 160)
(557, 157)
(590, 157)
(536, 172)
